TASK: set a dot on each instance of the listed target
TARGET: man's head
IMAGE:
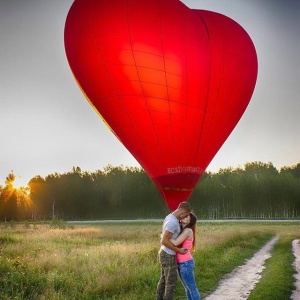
(183, 210)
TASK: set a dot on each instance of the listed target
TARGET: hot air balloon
(169, 81)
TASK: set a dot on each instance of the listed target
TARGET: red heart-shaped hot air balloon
(170, 82)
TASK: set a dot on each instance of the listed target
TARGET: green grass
(277, 279)
(119, 261)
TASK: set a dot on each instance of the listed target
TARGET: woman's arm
(166, 241)
(186, 233)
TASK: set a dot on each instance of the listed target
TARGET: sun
(19, 183)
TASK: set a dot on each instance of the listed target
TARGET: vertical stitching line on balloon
(232, 113)
(207, 94)
(221, 77)
(168, 98)
(130, 41)
(238, 66)
(186, 93)
(105, 67)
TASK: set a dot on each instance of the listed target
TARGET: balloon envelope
(169, 81)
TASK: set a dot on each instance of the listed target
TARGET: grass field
(119, 261)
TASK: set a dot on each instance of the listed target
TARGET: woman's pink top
(187, 243)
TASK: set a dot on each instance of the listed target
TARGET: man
(167, 258)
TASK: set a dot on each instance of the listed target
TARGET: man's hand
(182, 250)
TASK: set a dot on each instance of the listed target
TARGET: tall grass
(115, 261)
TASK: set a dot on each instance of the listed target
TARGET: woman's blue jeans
(187, 277)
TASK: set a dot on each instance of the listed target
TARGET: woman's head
(190, 222)
(193, 220)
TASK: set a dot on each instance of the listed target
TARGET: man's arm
(167, 235)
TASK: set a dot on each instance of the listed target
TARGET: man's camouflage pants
(168, 279)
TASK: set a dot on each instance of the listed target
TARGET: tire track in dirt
(238, 284)
(296, 251)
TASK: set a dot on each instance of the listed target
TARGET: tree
(15, 203)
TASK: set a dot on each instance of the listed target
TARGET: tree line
(258, 190)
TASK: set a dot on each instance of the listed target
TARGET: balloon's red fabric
(170, 82)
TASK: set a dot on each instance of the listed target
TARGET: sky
(47, 126)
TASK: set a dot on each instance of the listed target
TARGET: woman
(185, 261)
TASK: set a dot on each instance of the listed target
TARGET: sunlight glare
(19, 182)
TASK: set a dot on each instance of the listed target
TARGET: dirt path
(239, 283)
(296, 250)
